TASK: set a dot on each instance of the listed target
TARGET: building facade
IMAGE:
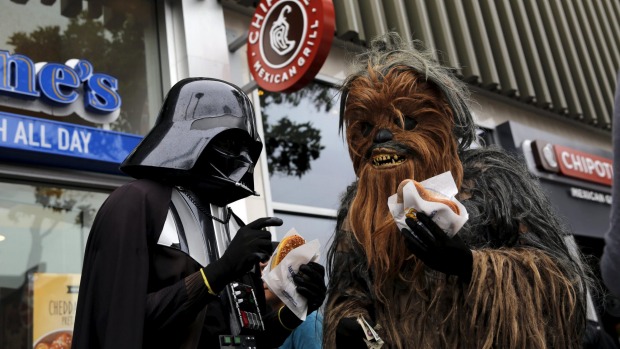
(82, 83)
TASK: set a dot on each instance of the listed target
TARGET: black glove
(349, 334)
(247, 248)
(310, 281)
(431, 245)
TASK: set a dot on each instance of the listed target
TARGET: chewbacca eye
(410, 123)
(365, 128)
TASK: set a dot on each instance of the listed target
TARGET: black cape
(135, 293)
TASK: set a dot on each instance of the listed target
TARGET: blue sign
(59, 87)
(55, 138)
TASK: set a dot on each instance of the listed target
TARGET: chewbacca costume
(406, 117)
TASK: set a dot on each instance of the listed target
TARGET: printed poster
(54, 303)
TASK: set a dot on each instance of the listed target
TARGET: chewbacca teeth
(387, 160)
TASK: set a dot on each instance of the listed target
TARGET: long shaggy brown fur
(526, 291)
(430, 149)
(523, 300)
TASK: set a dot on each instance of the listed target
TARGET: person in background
(309, 334)
(159, 259)
(610, 261)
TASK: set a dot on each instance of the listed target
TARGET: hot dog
(426, 195)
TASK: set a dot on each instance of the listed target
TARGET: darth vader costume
(160, 264)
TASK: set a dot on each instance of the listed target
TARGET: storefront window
(118, 38)
(308, 161)
(43, 232)
(307, 157)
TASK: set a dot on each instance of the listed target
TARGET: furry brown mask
(398, 126)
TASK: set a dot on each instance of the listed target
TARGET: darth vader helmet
(205, 139)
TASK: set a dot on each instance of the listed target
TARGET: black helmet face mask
(229, 160)
(205, 139)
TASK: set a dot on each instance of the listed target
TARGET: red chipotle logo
(572, 163)
(289, 41)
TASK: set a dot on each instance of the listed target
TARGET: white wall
(491, 110)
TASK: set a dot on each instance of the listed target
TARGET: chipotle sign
(572, 163)
(288, 42)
